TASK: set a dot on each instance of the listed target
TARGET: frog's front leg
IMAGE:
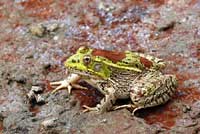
(68, 83)
(106, 103)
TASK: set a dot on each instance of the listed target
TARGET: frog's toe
(89, 109)
(124, 106)
(62, 84)
(62, 87)
(55, 83)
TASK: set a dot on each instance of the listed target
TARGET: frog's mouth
(83, 74)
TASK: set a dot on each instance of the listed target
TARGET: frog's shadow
(95, 97)
(144, 112)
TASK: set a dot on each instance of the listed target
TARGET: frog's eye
(86, 59)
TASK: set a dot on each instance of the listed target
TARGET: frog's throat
(84, 74)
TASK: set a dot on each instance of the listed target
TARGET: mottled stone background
(36, 36)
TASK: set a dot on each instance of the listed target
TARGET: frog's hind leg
(152, 89)
(132, 106)
(106, 103)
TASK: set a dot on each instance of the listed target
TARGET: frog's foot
(61, 84)
(64, 84)
(67, 83)
(105, 104)
(124, 106)
(131, 106)
(89, 109)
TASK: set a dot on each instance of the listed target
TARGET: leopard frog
(119, 75)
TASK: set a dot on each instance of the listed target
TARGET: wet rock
(43, 29)
(46, 68)
(37, 89)
(20, 123)
(116, 25)
(196, 104)
(48, 123)
(167, 26)
(56, 38)
(196, 130)
(195, 113)
(186, 108)
(31, 95)
(40, 100)
(1, 117)
(117, 122)
(34, 97)
(104, 7)
(104, 121)
(72, 103)
(186, 122)
(52, 27)
(20, 79)
(37, 30)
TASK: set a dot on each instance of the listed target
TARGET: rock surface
(38, 35)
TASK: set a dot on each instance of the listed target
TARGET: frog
(119, 75)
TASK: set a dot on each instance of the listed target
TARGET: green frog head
(87, 61)
(100, 63)
(83, 63)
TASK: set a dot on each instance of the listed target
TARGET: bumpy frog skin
(120, 75)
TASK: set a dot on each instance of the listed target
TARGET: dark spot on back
(147, 63)
(111, 55)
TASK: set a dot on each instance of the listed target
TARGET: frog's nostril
(73, 61)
